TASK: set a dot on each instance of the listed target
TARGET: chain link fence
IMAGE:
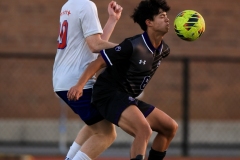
(201, 93)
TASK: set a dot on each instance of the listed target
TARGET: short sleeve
(121, 52)
(89, 20)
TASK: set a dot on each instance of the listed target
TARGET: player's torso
(73, 54)
(143, 64)
(78, 20)
(71, 34)
(133, 74)
(143, 61)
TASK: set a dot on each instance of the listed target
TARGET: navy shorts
(83, 106)
(111, 104)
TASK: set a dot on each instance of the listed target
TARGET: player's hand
(114, 10)
(74, 93)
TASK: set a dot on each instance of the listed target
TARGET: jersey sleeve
(122, 52)
(89, 20)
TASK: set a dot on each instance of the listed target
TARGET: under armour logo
(118, 48)
(142, 62)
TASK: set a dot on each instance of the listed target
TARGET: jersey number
(144, 82)
(62, 38)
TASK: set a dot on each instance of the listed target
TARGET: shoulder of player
(128, 42)
(133, 39)
(83, 5)
(90, 2)
(165, 49)
(87, 4)
(165, 46)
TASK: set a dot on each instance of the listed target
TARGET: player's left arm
(76, 91)
(98, 42)
(114, 11)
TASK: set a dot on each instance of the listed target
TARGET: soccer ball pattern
(189, 25)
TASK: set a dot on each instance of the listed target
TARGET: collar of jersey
(149, 45)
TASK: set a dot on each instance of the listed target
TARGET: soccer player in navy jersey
(130, 67)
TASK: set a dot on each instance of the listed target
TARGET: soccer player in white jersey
(80, 36)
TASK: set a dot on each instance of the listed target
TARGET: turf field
(28, 157)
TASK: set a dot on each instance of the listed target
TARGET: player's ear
(148, 22)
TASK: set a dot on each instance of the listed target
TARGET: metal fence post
(185, 107)
(63, 128)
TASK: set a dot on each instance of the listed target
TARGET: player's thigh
(133, 121)
(160, 121)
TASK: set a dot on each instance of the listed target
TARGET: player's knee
(172, 129)
(145, 131)
(113, 135)
(149, 132)
(110, 134)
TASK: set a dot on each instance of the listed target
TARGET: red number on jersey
(62, 38)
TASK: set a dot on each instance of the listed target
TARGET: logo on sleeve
(131, 98)
(118, 48)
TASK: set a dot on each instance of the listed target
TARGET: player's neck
(155, 38)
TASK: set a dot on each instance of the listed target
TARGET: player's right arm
(96, 43)
(76, 91)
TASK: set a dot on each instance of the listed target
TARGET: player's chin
(166, 29)
(168, 26)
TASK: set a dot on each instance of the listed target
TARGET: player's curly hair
(147, 9)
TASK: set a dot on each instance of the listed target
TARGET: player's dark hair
(147, 9)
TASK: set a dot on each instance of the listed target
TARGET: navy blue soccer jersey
(132, 64)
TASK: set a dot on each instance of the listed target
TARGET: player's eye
(163, 15)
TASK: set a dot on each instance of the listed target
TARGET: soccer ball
(189, 25)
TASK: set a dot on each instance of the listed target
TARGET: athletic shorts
(83, 107)
(111, 104)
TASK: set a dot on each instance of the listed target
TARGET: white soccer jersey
(78, 20)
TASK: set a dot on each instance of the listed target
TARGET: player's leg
(82, 136)
(84, 133)
(103, 136)
(134, 123)
(90, 116)
(80, 106)
(166, 129)
(121, 109)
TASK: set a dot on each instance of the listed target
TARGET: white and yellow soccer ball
(189, 25)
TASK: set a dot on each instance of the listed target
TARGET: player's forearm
(92, 68)
(104, 45)
(108, 28)
(114, 11)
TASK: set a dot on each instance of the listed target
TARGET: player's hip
(112, 103)
(82, 106)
